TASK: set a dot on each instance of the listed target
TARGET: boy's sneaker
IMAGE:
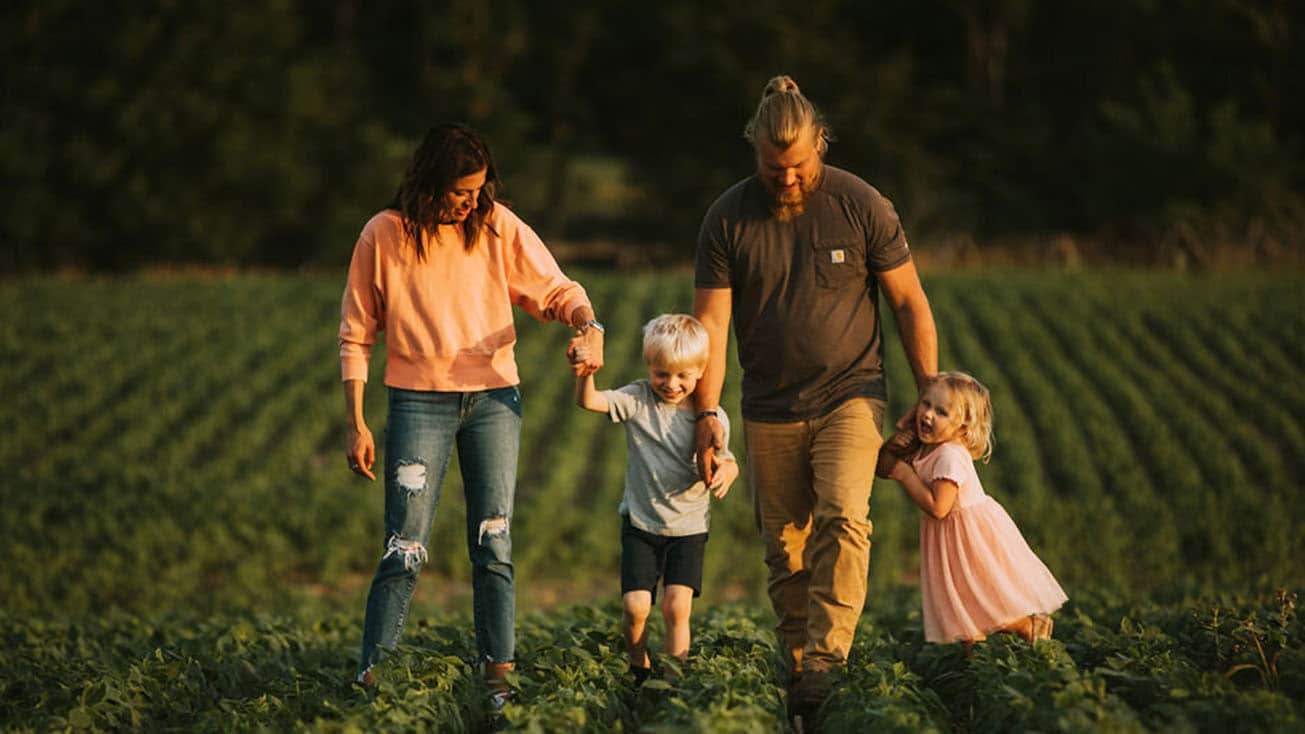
(670, 668)
(640, 674)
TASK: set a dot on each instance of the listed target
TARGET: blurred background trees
(266, 133)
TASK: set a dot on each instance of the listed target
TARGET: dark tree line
(266, 133)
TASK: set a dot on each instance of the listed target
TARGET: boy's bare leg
(636, 606)
(676, 608)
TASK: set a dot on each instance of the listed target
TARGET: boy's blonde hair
(974, 411)
(675, 340)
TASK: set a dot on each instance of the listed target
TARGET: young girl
(977, 573)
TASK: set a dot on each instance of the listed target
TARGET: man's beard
(787, 206)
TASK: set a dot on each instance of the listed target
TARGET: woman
(439, 271)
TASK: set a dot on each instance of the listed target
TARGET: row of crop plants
(1211, 664)
(182, 438)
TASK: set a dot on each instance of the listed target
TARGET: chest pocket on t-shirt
(838, 263)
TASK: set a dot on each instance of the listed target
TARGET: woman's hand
(578, 354)
(585, 351)
(361, 451)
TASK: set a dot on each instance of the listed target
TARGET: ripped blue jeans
(420, 435)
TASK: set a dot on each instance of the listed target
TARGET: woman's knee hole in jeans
(410, 474)
(493, 527)
(412, 552)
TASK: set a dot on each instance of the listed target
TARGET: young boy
(665, 508)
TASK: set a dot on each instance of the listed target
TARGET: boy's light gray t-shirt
(663, 493)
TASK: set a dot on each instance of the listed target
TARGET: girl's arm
(587, 396)
(936, 499)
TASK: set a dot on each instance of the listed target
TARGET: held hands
(903, 442)
(361, 451)
(578, 355)
(585, 352)
(894, 451)
(710, 439)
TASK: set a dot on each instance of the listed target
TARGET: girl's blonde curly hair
(973, 406)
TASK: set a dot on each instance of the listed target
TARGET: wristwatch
(593, 323)
(713, 412)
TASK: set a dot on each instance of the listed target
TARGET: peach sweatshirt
(448, 320)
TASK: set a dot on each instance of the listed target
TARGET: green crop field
(182, 548)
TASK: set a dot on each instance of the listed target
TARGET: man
(796, 254)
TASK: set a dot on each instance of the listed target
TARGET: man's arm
(914, 321)
(711, 306)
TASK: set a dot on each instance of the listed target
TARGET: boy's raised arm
(587, 396)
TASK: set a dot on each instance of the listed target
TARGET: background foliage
(266, 133)
(181, 547)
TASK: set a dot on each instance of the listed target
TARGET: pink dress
(977, 573)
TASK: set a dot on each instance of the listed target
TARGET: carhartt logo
(837, 256)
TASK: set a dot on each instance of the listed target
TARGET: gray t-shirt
(805, 297)
(663, 493)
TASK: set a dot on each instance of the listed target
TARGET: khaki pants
(811, 490)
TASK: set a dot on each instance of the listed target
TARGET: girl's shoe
(1040, 626)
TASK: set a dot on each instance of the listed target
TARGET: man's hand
(895, 450)
(887, 460)
(726, 472)
(710, 439)
(902, 443)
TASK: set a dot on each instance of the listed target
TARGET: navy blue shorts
(647, 558)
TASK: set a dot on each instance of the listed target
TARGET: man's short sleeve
(626, 402)
(886, 246)
(712, 263)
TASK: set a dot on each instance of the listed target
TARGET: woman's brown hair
(447, 153)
